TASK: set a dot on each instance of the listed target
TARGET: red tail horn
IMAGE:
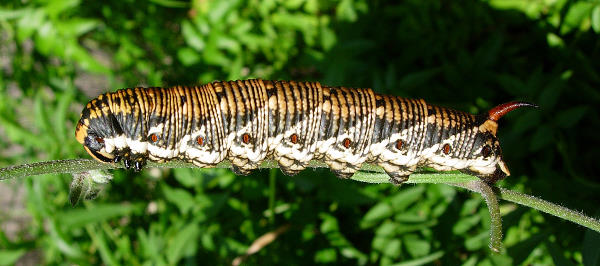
(503, 109)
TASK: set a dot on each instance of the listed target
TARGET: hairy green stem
(549, 207)
(272, 176)
(69, 166)
(368, 173)
(487, 192)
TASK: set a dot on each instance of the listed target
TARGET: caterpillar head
(486, 154)
(95, 126)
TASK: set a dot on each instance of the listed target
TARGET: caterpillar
(248, 121)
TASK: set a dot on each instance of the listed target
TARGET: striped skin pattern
(248, 121)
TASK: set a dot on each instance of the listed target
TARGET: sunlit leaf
(346, 11)
(378, 212)
(577, 13)
(416, 246)
(327, 255)
(596, 19)
(181, 198)
(188, 56)
(9, 257)
(191, 36)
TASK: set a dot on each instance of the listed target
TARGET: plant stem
(369, 174)
(53, 167)
(550, 208)
(487, 192)
(272, 176)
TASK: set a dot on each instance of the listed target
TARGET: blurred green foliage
(55, 55)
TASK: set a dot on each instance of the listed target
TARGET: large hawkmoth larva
(248, 121)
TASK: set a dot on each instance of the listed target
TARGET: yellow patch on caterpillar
(81, 131)
(489, 126)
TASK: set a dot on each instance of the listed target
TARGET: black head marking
(94, 142)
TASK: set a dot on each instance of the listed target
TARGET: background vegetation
(471, 55)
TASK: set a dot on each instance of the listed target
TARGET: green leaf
(308, 25)
(570, 117)
(100, 241)
(411, 217)
(589, 252)
(188, 177)
(501, 259)
(191, 36)
(596, 19)
(221, 9)
(327, 255)
(328, 38)
(18, 134)
(61, 240)
(379, 243)
(353, 253)
(329, 224)
(87, 185)
(470, 206)
(551, 94)
(346, 11)
(171, 3)
(312, 6)
(465, 223)
(184, 240)
(542, 137)
(84, 59)
(426, 260)
(6, 14)
(386, 229)
(378, 212)
(577, 13)
(179, 197)
(188, 56)
(152, 243)
(98, 212)
(405, 228)
(79, 187)
(42, 116)
(526, 122)
(477, 242)
(30, 22)
(77, 26)
(62, 114)
(9, 257)
(214, 56)
(55, 7)
(558, 255)
(207, 241)
(416, 246)
(554, 40)
(406, 197)
(418, 78)
(393, 248)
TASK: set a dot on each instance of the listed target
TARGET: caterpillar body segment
(248, 121)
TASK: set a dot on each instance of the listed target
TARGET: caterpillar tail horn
(491, 124)
(500, 110)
